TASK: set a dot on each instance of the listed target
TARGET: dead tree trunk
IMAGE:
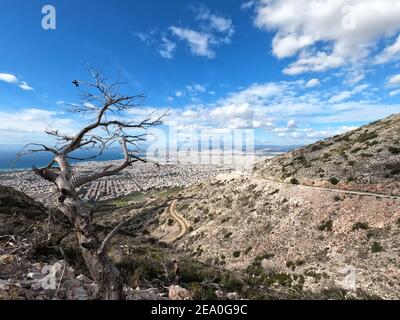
(101, 98)
(104, 272)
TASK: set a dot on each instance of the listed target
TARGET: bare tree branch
(109, 126)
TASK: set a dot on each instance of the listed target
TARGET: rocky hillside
(366, 159)
(299, 224)
(294, 238)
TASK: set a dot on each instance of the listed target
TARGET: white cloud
(328, 34)
(167, 48)
(287, 46)
(344, 95)
(89, 105)
(214, 31)
(247, 5)
(394, 93)
(210, 32)
(199, 42)
(316, 63)
(310, 134)
(10, 78)
(218, 23)
(179, 94)
(354, 76)
(25, 86)
(148, 38)
(280, 108)
(394, 80)
(390, 53)
(189, 114)
(196, 88)
(28, 125)
(312, 83)
(292, 124)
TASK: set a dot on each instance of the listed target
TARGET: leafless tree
(102, 99)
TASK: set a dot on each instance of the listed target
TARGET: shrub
(360, 226)
(376, 247)
(326, 226)
(364, 137)
(337, 198)
(226, 219)
(316, 147)
(274, 192)
(236, 254)
(294, 181)
(291, 265)
(394, 150)
(228, 235)
(334, 181)
(395, 172)
(355, 150)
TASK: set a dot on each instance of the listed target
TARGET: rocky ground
(295, 237)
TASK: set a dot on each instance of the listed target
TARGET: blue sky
(294, 71)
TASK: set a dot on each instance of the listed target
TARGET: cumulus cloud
(312, 83)
(328, 34)
(10, 78)
(215, 22)
(32, 121)
(192, 91)
(210, 32)
(390, 53)
(292, 124)
(394, 93)
(196, 88)
(213, 31)
(167, 48)
(394, 80)
(199, 42)
(25, 86)
(149, 37)
(284, 110)
(344, 95)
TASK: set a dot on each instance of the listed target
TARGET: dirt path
(183, 224)
(360, 193)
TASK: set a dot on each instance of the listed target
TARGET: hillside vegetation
(366, 159)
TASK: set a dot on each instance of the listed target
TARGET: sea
(9, 161)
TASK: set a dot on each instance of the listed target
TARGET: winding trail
(183, 224)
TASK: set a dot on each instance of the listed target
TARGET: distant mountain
(366, 159)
